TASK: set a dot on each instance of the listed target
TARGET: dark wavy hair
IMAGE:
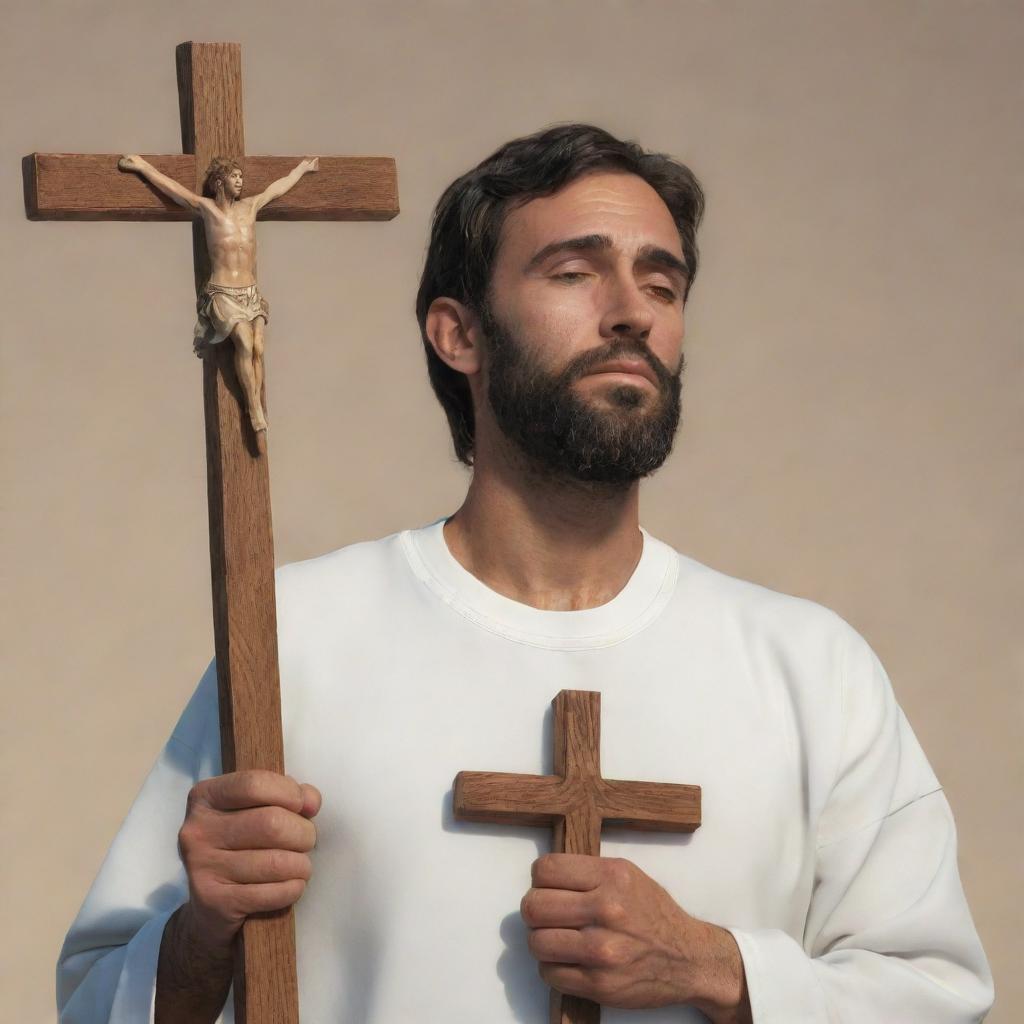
(217, 173)
(468, 219)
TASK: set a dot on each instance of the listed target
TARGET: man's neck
(557, 545)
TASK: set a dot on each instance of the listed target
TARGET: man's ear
(453, 330)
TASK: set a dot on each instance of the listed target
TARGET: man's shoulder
(348, 592)
(757, 607)
(353, 566)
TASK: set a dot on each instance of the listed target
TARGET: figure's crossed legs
(248, 342)
(258, 327)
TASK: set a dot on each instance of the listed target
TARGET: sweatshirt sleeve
(888, 933)
(106, 972)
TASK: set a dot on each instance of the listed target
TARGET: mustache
(619, 349)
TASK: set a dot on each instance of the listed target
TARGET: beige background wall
(852, 405)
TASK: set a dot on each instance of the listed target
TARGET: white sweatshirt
(827, 846)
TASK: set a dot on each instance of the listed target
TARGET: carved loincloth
(220, 307)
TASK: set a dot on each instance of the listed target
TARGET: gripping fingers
(266, 896)
(311, 800)
(251, 788)
(251, 867)
(269, 828)
(557, 945)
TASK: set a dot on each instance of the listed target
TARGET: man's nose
(627, 311)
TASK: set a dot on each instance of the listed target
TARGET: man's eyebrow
(663, 258)
(584, 243)
(596, 243)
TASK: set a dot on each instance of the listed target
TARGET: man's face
(584, 329)
(234, 183)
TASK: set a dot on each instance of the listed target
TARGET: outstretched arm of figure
(181, 195)
(278, 188)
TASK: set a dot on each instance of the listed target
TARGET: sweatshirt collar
(637, 604)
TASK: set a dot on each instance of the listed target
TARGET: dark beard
(564, 436)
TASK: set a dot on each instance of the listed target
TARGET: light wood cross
(64, 186)
(575, 802)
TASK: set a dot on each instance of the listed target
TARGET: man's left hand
(603, 930)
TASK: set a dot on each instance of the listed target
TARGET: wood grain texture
(241, 545)
(575, 802)
(71, 186)
(74, 186)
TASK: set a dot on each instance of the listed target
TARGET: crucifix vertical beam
(89, 187)
(238, 478)
(241, 543)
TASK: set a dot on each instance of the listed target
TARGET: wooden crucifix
(575, 802)
(66, 186)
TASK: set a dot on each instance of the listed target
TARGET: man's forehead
(618, 205)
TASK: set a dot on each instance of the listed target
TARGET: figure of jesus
(230, 304)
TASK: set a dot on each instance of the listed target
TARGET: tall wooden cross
(575, 802)
(63, 186)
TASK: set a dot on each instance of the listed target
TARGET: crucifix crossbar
(68, 186)
(575, 802)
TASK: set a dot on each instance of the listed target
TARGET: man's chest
(384, 729)
(383, 726)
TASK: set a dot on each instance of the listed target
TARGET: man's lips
(634, 367)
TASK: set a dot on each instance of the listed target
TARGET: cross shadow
(527, 995)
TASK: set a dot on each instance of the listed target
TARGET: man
(230, 305)
(822, 884)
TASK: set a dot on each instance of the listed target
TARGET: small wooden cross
(575, 802)
(65, 186)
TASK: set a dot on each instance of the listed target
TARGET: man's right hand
(245, 843)
(130, 163)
